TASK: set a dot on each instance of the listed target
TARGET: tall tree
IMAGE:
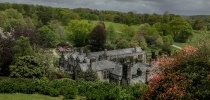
(2, 18)
(128, 31)
(181, 29)
(59, 29)
(141, 40)
(98, 37)
(110, 32)
(48, 36)
(166, 17)
(27, 67)
(6, 54)
(22, 48)
(25, 63)
(14, 20)
(67, 15)
(123, 44)
(200, 24)
(78, 32)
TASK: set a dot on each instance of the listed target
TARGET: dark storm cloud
(184, 7)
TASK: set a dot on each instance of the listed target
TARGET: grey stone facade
(123, 66)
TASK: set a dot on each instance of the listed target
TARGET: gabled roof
(86, 60)
(83, 66)
(74, 55)
(80, 57)
(66, 56)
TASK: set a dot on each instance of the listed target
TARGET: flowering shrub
(169, 83)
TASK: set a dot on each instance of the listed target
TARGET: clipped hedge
(110, 91)
(43, 86)
(70, 89)
(10, 85)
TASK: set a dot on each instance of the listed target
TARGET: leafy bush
(26, 67)
(183, 36)
(16, 85)
(92, 90)
(62, 85)
(54, 92)
(69, 92)
(42, 86)
(7, 86)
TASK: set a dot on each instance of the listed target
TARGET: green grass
(117, 26)
(179, 44)
(20, 96)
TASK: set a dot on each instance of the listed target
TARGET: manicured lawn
(179, 44)
(117, 26)
(20, 96)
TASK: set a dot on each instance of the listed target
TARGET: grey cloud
(184, 7)
(126, 0)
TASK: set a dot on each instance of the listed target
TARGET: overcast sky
(182, 7)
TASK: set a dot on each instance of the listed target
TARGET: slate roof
(83, 66)
(143, 68)
(112, 53)
(74, 55)
(87, 60)
(96, 54)
(81, 57)
(118, 70)
(118, 52)
(138, 79)
(100, 65)
(104, 64)
(137, 66)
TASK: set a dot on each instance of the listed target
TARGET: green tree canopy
(181, 29)
(111, 32)
(59, 30)
(128, 31)
(13, 21)
(78, 32)
(123, 44)
(23, 48)
(6, 54)
(27, 67)
(67, 15)
(48, 37)
(98, 37)
(141, 40)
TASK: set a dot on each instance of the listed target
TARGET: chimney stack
(87, 53)
(127, 75)
(100, 57)
(105, 54)
(80, 51)
(146, 76)
(135, 49)
(93, 63)
(75, 49)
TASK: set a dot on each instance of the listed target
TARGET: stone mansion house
(123, 66)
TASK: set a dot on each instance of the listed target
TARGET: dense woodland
(28, 33)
